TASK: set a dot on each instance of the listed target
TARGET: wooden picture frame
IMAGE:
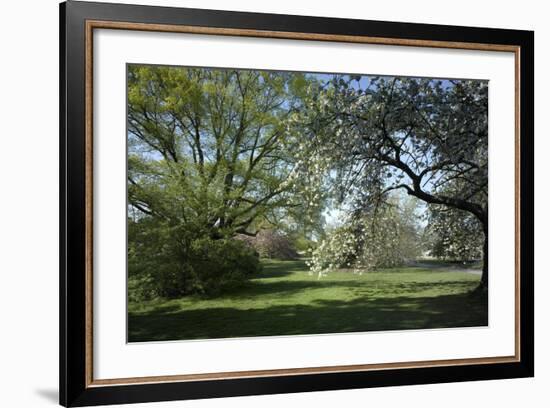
(78, 20)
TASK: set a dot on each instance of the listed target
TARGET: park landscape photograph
(270, 203)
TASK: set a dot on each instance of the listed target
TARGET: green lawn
(285, 300)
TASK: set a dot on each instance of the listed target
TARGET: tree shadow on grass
(322, 316)
(285, 288)
(260, 288)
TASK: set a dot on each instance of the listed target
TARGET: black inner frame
(73, 391)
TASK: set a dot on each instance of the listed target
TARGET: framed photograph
(256, 204)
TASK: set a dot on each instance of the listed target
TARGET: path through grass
(285, 300)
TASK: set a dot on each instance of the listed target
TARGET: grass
(285, 300)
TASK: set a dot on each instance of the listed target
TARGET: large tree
(211, 145)
(209, 157)
(426, 137)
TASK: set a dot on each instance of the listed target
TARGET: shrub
(221, 264)
(173, 261)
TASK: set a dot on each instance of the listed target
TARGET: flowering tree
(453, 234)
(371, 136)
(375, 237)
(271, 243)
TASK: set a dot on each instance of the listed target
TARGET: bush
(303, 244)
(170, 262)
(221, 264)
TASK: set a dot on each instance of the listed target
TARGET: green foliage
(172, 261)
(302, 243)
(222, 264)
(215, 142)
(209, 156)
(155, 253)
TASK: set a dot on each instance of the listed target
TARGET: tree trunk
(484, 283)
(485, 274)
